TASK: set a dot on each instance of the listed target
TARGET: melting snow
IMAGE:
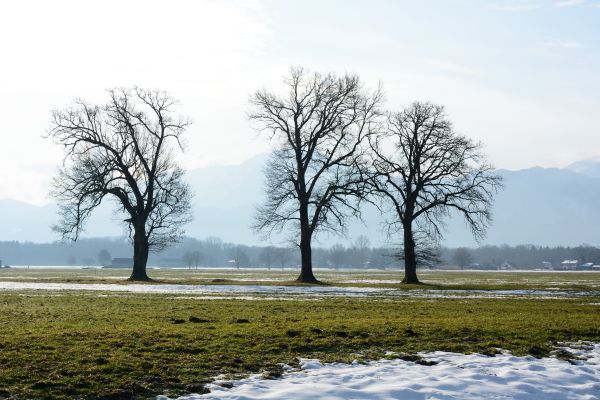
(456, 376)
(191, 289)
(304, 291)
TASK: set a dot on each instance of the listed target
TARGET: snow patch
(455, 376)
(287, 291)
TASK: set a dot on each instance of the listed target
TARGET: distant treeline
(523, 256)
(213, 252)
(193, 253)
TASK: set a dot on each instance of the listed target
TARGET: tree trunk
(140, 255)
(306, 273)
(410, 257)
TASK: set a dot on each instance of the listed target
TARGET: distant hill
(22, 221)
(586, 167)
(545, 206)
(225, 198)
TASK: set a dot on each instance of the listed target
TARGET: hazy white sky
(522, 76)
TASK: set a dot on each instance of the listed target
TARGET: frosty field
(68, 333)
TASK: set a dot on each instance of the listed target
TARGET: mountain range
(542, 206)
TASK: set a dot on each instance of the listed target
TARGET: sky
(521, 76)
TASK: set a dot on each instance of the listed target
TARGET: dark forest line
(214, 252)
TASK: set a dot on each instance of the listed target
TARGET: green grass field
(79, 344)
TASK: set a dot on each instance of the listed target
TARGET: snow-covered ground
(300, 291)
(284, 290)
(455, 376)
(191, 289)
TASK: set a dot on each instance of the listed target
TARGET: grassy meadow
(115, 345)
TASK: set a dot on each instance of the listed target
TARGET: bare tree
(197, 258)
(362, 247)
(239, 256)
(104, 257)
(425, 171)
(283, 255)
(188, 259)
(125, 150)
(267, 256)
(314, 179)
(462, 257)
(337, 255)
(192, 259)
